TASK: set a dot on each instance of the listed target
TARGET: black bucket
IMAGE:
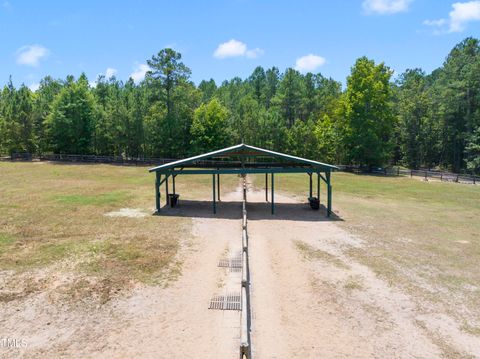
(314, 203)
(173, 199)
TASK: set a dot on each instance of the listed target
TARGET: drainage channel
(241, 300)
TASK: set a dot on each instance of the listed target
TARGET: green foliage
(329, 140)
(302, 140)
(71, 121)
(16, 124)
(418, 120)
(418, 131)
(209, 129)
(472, 151)
(457, 101)
(368, 113)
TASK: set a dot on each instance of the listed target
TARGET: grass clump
(101, 199)
(311, 253)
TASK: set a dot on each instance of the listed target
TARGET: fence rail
(386, 171)
(90, 159)
(424, 173)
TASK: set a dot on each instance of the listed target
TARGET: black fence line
(90, 159)
(424, 173)
(143, 161)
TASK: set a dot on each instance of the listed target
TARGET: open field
(422, 237)
(395, 275)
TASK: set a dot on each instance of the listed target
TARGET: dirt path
(310, 301)
(176, 322)
(152, 322)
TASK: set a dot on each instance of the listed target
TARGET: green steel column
(218, 186)
(213, 190)
(329, 188)
(310, 182)
(157, 191)
(166, 190)
(318, 186)
(173, 183)
(266, 187)
(273, 193)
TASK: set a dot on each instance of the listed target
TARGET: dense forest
(416, 120)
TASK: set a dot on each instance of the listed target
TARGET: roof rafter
(247, 151)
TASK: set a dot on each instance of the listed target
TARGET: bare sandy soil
(309, 299)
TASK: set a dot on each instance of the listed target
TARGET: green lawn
(422, 236)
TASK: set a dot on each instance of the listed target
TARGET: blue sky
(223, 39)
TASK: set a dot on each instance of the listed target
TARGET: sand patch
(127, 212)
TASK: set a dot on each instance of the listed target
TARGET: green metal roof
(243, 147)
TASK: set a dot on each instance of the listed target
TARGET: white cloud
(252, 54)
(439, 22)
(234, 48)
(139, 72)
(31, 55)
(34, 86)
(309, 63)
(385, 7)
(110, 72)
(461, 14)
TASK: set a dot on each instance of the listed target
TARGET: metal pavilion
(243, 159)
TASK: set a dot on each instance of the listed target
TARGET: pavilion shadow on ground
(255, 211)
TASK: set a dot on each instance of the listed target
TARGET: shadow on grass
(255, 211)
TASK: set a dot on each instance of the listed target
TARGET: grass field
(53, 219)
(422, 236)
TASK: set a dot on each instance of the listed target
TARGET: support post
(218, 186)
(157, 191)
(310, 185)
(166, 190)
(173, 183)
(273, 193)
(213, 189)
(318, 186)
(329, 192)
(266, 187)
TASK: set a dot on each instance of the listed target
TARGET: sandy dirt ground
(326, 305)
(152, 322)
(309, 299)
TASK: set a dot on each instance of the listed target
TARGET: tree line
(419, 119)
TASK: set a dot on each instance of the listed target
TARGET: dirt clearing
(87, 285)
(310, 299)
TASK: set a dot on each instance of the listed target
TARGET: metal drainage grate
(224, 262)
(226, 302)
(234, 263)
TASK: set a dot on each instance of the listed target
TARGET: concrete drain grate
(226, 302)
